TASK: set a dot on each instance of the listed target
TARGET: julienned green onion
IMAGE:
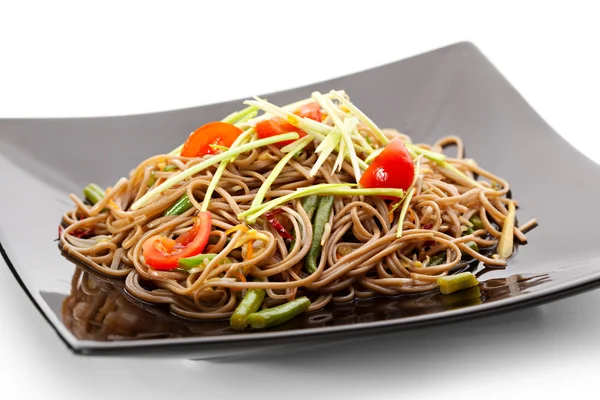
(373, 155)
(288, 107)
(325, 148)
(240, 116)
(244, 136)
(505, 244)
(405, 205)
(432, 155)
(295, 147)
(324, 189)
(363, 117)
(453, 283)
(316, 129)
(173, 180)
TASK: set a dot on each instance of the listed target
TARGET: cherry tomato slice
(392, 168)
(198, 144)
(162, 253)
(278, 126)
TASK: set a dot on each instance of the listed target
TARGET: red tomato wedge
(392, 168)
(278, 126)
(221, 133)
(162, 253)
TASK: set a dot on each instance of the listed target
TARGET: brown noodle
(361, 257)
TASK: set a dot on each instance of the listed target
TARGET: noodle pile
(362, 256)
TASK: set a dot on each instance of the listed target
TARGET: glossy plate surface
(453, 90)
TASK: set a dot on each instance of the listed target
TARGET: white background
(62, 60)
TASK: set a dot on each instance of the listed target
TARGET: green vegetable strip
(347, 136)
(316, 129)
(93, 193)
(362, 116)
(337, 166)
(315, 188)
(238, 116)
(170, 168)
(432, 155)
(288, 107)
(323, 189)
(505, 244)
(372, 156)
(325, 148)
(219, 172)
(278, 315)
(320, 220)
(264, 188)
(440, 160)
(310, 205)
(181, 206)
(172, 181)
(195, 261)
(250, 304)
(453, 283)
(405, 205)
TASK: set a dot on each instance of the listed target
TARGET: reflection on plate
(98, 308)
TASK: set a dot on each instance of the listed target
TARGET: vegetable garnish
(172, 181)
(295, 148)
(199, 143)
(392, 168)
(277, 126)
(333, 189)
(163, 253)
(453, 283)
(505, 244)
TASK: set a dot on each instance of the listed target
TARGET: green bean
(181, 206)
(453, 283)
(249, 305)
(93, 193)
(271, 317)
(476, 221)
(309, 204)
(321, 218)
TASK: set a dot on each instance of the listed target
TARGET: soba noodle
(362, 255)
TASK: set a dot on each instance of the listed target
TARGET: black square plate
(453, 90)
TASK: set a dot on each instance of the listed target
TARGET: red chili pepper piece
(276, 224)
